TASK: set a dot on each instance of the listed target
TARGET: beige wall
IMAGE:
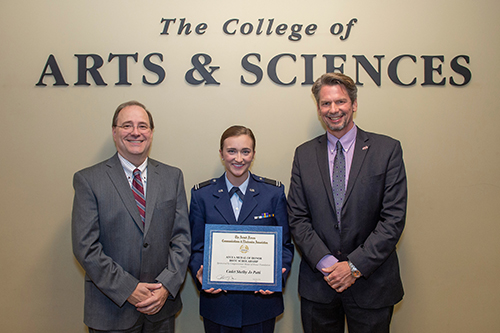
(449, 250)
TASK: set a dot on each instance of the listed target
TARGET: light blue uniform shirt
(236, 202)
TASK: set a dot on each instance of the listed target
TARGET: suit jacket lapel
(152, 190)
(324, 168)
(360, 150)
(249, 203)
(117, 175)
(223, 205)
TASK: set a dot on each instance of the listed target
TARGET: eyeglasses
(143, 128)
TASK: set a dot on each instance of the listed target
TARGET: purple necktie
(338, 180)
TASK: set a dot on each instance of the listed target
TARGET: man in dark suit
(347, 210)
(130, 232)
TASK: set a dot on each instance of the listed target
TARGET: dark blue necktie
(237, 191)
(338, 179)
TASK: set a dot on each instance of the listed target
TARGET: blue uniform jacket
(210, 204)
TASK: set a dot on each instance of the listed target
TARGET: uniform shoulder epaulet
(269, 181)
(205, 183)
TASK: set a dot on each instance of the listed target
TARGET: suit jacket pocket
(165, 204)
(373, 179)
(165, 210)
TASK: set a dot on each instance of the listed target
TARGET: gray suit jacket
(116, 252)
(373, 217)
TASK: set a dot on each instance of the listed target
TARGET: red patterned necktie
(138, 191)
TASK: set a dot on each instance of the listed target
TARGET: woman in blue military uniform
(238, 197)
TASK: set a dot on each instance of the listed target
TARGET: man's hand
(339, 277)
(153, 304)
(142, 292)
(148, 298)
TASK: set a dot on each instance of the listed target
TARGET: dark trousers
(330, 318)
(145, 326)
(262, 327)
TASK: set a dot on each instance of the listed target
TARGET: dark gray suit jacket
(116, 252)
(373, 217)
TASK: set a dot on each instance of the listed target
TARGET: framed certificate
(239, 257)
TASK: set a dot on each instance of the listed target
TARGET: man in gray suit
(347, 210)
(130, 232)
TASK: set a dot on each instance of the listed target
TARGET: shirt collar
(129, 167)
(347, 140)
(243, 187)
